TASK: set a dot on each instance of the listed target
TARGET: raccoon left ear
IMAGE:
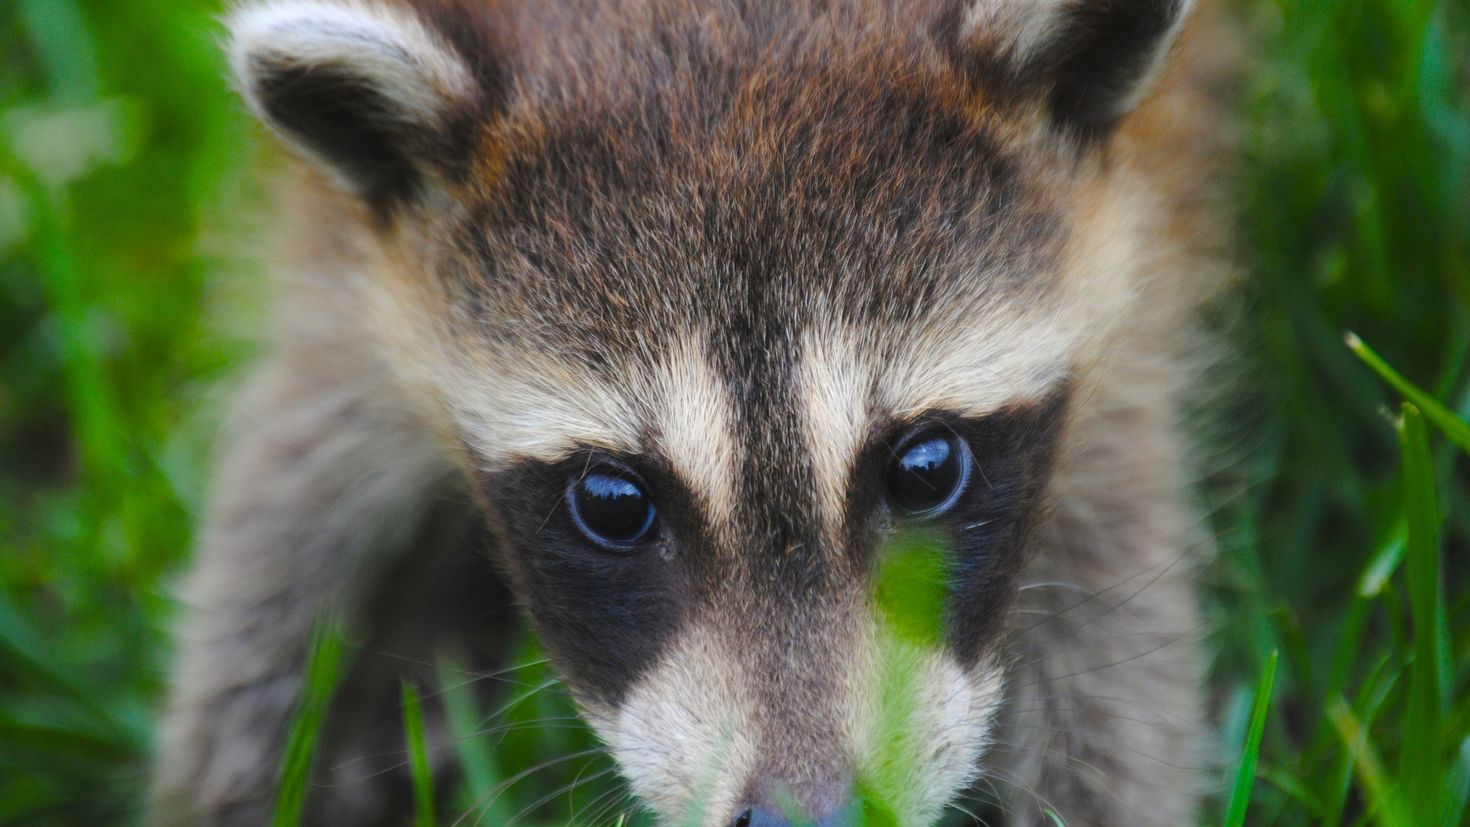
(1092, 61)
(368, 90)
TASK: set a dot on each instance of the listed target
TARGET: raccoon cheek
(681, 734)
(949, 715)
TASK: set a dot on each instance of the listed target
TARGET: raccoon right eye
(929, 473)
(611, 508)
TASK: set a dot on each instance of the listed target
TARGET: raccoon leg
(1105, 725)
(325, 478)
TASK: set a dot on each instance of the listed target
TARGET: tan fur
(1107, 721)
(455, 333)
(274, 558)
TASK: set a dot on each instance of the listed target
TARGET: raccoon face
(757, 327)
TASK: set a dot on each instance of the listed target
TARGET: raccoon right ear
(1090, 61)
(366, 90)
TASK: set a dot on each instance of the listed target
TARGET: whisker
(569, 723)
(498, 675)
(484, 802)
(605, 802)
(1164, 567)
(531, 693)
(554, 794)
(1170, 640)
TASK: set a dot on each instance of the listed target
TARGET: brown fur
(800, 226)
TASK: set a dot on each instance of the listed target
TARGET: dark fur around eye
(978, 482)
(577, 544)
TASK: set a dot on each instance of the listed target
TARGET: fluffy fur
(739, 248)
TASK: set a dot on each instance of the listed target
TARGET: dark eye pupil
(610, 508)
(928, 475)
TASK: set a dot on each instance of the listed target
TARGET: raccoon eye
(930, 473)
(611, 508)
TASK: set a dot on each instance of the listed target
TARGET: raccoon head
(758, 326)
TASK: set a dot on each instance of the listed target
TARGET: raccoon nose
(766, 817)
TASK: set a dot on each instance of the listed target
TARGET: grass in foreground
(1344, 535)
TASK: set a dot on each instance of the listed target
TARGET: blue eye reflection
(926, 457)
(930, 474)
(611, 509)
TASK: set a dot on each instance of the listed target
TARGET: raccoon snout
(844, 816)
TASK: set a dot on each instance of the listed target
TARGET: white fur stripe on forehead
(540, 409)
(696, 427)
(959, 367)
(545, 408)
(972, 369)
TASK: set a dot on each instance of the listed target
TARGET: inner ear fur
(365, 90)
(1089, 61)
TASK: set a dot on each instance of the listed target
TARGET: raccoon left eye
(930, 473)
(611, 508)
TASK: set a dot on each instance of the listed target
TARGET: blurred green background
(129, 217)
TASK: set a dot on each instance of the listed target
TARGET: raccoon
(656, 324)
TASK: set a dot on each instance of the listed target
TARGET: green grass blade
(1372, 700)
(1443, 418)
(323, 669)
(1294, 643)
(1348, 649)
(1457, 791)
(1380, 793)
(1385, 562)
(1299, 790)
(1421, 770)
(64, 46)
(1245, 774)
(23, 655)
(418, 758)
(463, 715)
(55, 741)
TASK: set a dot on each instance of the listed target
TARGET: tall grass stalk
(324, 669)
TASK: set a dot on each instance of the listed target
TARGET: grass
(1443, 418)
(323, 671)
(1245, 771)
(418, 758)
(1343, 519)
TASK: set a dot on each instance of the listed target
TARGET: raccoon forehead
(848, 386)
(796, 266)
(542, 407)
(857, 186)
(683, 404)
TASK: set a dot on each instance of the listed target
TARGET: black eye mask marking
(599, 580)
(976, 483)
(610, 555)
